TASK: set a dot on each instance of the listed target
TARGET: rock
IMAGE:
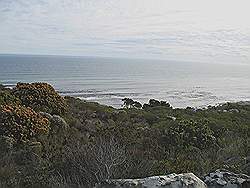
(226, 179)
(187, 180)
(217, 179)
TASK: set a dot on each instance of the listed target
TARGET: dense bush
(40, 97)
(190, 133)
(21, 123)
(7, 98)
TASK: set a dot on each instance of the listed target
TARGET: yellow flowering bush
(21, 123)
(40, 97)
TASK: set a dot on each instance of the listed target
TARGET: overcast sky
(191, 30)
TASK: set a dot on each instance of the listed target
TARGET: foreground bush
(21, 123)
(40, 97)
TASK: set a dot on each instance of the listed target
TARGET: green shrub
(7, 98)
(40, 97)
(21, 123)
(188, 133)
(190, 159)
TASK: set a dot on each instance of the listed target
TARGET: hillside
(47, 140)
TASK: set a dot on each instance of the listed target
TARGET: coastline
(97, 99)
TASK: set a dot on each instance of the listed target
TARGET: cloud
(167, 29)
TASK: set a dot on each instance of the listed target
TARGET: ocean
(108, 80)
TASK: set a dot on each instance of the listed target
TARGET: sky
(187, 30)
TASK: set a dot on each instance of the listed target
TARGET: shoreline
(205, 106)
(116, 106)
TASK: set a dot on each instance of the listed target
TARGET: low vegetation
(51, 141)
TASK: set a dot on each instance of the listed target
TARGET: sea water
(108, 80)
